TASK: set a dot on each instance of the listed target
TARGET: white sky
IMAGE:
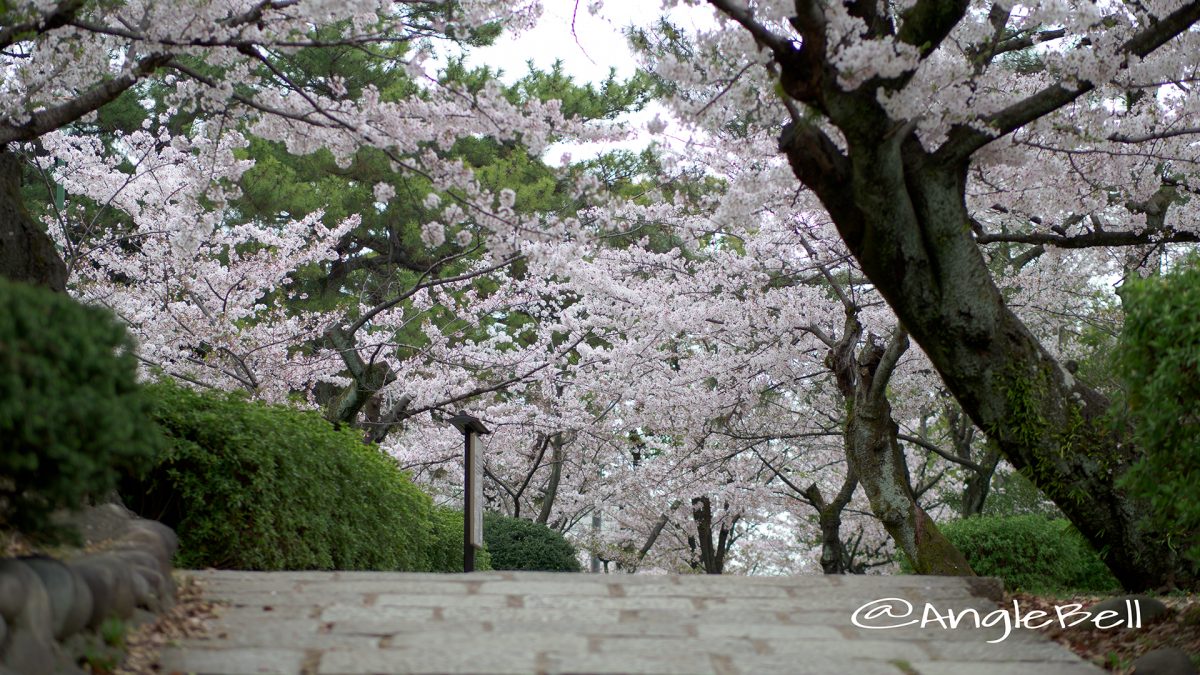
(589, 46)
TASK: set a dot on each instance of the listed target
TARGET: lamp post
(471, 429)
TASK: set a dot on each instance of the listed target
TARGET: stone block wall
(49, 607)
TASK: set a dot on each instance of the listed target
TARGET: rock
(140, 559)
(30, 654)
(31, 648)
(12, 593)
(168, 537)
(1166, 661)
(159, 593)
(70, 598)
(1151, 610)
(148, 544)
(101, 523)
(111, 582)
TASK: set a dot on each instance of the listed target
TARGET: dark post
(471, 429)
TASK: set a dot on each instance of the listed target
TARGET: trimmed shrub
(72, 415)
(262, 487)
(517, 544)
(1158, 361)
(445, 553)
(1030, 553)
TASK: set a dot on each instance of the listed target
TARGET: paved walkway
(504, 622)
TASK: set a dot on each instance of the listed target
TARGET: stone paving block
(1024, 668)
(765, 631)
(308, 633)
(348, 613)
(530, 625)
(283, 599)
(846, 651)
(818, 664)
(233, 661)
(711, 616)
(660, 589)
(559, 586)
(438, 600)
(270, 612)
(415, 662)
(980, 651)
(499, 616)
(588, 603)
(434, 639)
(453, 585)
(623, 664)
(683, 648)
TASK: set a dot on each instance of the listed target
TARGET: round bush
(1030, 553)
(254, 486)
(445, 553)
(517, 544)
(72, 415)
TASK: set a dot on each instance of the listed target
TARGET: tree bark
(712, 553)
(27, 254)
(835, 559)
(874, 454)
(556, 460)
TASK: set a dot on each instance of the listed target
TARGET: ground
(1115, 650)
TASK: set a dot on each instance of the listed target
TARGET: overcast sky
(588, 46)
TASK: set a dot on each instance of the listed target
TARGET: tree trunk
(978, 485)
(903, 214)
(556, 460)
(978, 482)
(27, 253)
(875, 456)
(712, 553)
(835, 559)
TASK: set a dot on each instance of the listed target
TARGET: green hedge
(1158, 361)
(446, 545)
(72, 415)
(261, 487)
(517, 544)
(1030, 553)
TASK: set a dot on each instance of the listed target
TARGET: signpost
(471, 429)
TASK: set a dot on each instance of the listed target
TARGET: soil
(1115, 649)
(186, 619)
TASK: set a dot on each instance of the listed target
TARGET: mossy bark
(27, 253)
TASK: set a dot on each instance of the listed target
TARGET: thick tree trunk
(903, 215)
(26, 252)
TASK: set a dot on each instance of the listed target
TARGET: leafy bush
(255, 486)
(446, 545)
(1158, 360)
(517, 544)
(72, 415)
(1030, 553)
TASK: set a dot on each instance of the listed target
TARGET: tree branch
(49, 119)
(965, 139)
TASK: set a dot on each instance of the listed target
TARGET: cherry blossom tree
(930, 132)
